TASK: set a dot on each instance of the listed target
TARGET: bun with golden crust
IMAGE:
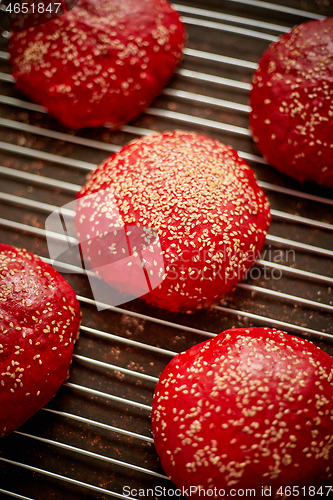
(202, 200)
(101, 62)
(39, 324)
(248, 409)
(291, 100)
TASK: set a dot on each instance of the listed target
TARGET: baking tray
(93, 438)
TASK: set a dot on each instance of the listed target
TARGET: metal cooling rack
(93, 439)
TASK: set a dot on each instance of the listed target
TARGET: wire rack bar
(286, 296)
(209, 56)
(301, 220)
(41, 155)
(100, 425)
(39, 179)
(294, 192)
(202, 99)
(145, 317)
(18, 200)
(59, 477)
(105, 395)
(252, 157)
(181, 117)
(52, 134)
(93, 455)
(128, 342)
(301, 246)
(233, 19)
(229, 29)
(37, 231)
(227, 82)
(278, 8)
(276, 322)
(301, 273)
(131, 129)
(14, 495)
(33, 230)
(20, 103)
(6, 77)
(109, 366)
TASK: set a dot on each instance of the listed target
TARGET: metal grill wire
(94, 437)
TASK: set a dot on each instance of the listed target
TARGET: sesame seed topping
(195, 193)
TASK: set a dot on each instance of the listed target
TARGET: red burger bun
(101, 62)
(203, 201)
(248, 409)
(292, 103)
(39, 324)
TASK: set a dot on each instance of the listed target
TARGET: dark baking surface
(55, 455)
